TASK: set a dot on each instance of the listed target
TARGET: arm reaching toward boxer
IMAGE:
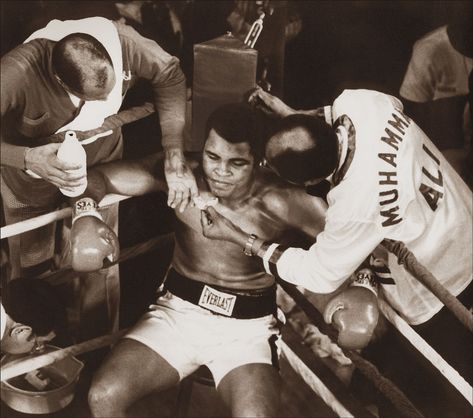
(216, 226)
(354, 311)
(180, 180)
(273, 106)
(269, 104)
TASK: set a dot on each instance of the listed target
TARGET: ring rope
(42, 220)
(311, 379)
(397, 248)
(324, 372)
(381, 383)
(427, 351)
(19, 367)
(62, 275)
(413, 266)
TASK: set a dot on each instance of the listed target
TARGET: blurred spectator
(435, 87)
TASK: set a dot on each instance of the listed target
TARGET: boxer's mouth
(219, 183)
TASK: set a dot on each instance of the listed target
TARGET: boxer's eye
(239, 163)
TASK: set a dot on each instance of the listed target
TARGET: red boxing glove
(92, 239)
(354, 311)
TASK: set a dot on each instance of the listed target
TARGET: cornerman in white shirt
(388, 181)
(435, 88)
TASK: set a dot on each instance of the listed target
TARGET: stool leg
(183, 398)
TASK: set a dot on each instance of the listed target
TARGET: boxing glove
(354, 311)
(92, 239)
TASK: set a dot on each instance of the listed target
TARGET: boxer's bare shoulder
(296, 208)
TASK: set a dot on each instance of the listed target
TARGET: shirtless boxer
(234, 330)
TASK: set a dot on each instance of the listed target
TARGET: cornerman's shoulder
(27, 56)
(127, 32)
(431, 42)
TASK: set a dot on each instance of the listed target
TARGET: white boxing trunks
(188, 336)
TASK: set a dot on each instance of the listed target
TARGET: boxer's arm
(92, 239)
(130, 178)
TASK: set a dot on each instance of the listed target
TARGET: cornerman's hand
(180, 180)
(43, 162)
(269, 104)
(217, 226)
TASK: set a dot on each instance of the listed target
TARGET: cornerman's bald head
(303, 149)
(83, 66)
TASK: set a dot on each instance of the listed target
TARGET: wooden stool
(203, 376)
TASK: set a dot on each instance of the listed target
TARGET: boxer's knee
(107, 397)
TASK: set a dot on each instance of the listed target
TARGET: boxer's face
(228, 168)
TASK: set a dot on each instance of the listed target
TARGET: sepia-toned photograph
(236, 208)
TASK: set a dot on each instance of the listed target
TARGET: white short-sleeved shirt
(395, 184)
(436, 69)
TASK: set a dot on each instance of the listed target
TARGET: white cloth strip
(95, 137)
(42, 220)
(267, 255)
(457, 381)
(314, 382)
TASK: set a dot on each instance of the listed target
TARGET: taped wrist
(85, 207)
(366, 278)
(271, 256)
(381, 270)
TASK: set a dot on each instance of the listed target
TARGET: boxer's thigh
(131, 371)
(252, 390)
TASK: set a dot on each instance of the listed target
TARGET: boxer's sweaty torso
(223, 263)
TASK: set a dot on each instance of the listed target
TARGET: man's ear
(19, 329)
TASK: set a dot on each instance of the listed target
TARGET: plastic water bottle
(71, 151)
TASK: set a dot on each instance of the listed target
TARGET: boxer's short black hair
(319, 158)
(79, 58)
(237, 123)
(35, 303)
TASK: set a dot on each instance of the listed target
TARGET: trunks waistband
(223, 301)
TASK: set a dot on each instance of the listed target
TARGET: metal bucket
(19, 395)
